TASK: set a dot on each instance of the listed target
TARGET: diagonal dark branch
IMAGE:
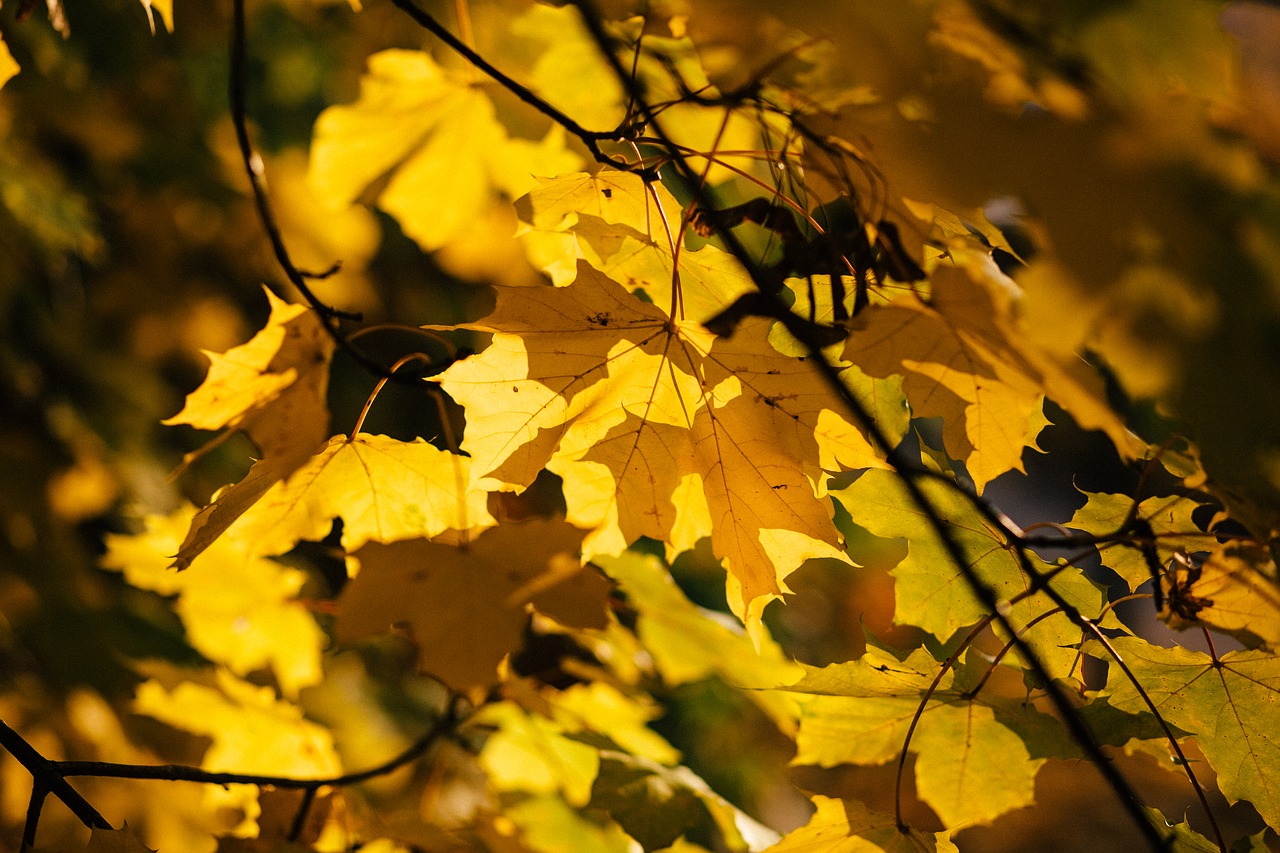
(912, 475)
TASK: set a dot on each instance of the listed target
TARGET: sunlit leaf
(686, 642)
(384, 490)
(933, 593)
(1229, 704)
(847, 826)
(972, 764)
(8, 65)
(529, 753)
(1171, 521)
(962, 359)
(1234, 590)
(549, 825)
(432, 136)
(239, 610)
(116, 841)
(250, 731)
(658, 427)
(273, 388)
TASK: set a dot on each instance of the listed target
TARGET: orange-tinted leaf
(467, 607)
(659, 429)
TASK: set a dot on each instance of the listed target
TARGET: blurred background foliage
(129, 244)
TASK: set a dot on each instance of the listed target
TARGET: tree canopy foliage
(666, 426)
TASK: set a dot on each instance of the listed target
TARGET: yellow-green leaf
(931, 591)
(1233, 590)
(971, 765)
(1170, 519)
(1230, 705)
(529, 753)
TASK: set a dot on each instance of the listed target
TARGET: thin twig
(910, 473)
(590, 138)
(186, 773)
(254, 171)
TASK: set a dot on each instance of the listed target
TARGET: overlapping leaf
(847, 826)
(1233, 590)
(238, 610)
(251, 731)
(933, 593)
(1230, 704)
(466, 608)
(382, 489)
(432, 135)
(273, 388)
(1171, 522)
(628, 230)
(658, 428)
(972, 762)
(963, 361)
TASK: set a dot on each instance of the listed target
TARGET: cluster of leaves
(808, 316)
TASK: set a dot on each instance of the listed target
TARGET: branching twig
(910, 473)
(50, 777)
(46, 779)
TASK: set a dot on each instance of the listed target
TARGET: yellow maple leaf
(466, 608)
(251, 731)
(626, 229)
(963, 360)
(8, 65)
(273, 388)
(433, 135)
(383, 490)
(238, 610)
(659, 429)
